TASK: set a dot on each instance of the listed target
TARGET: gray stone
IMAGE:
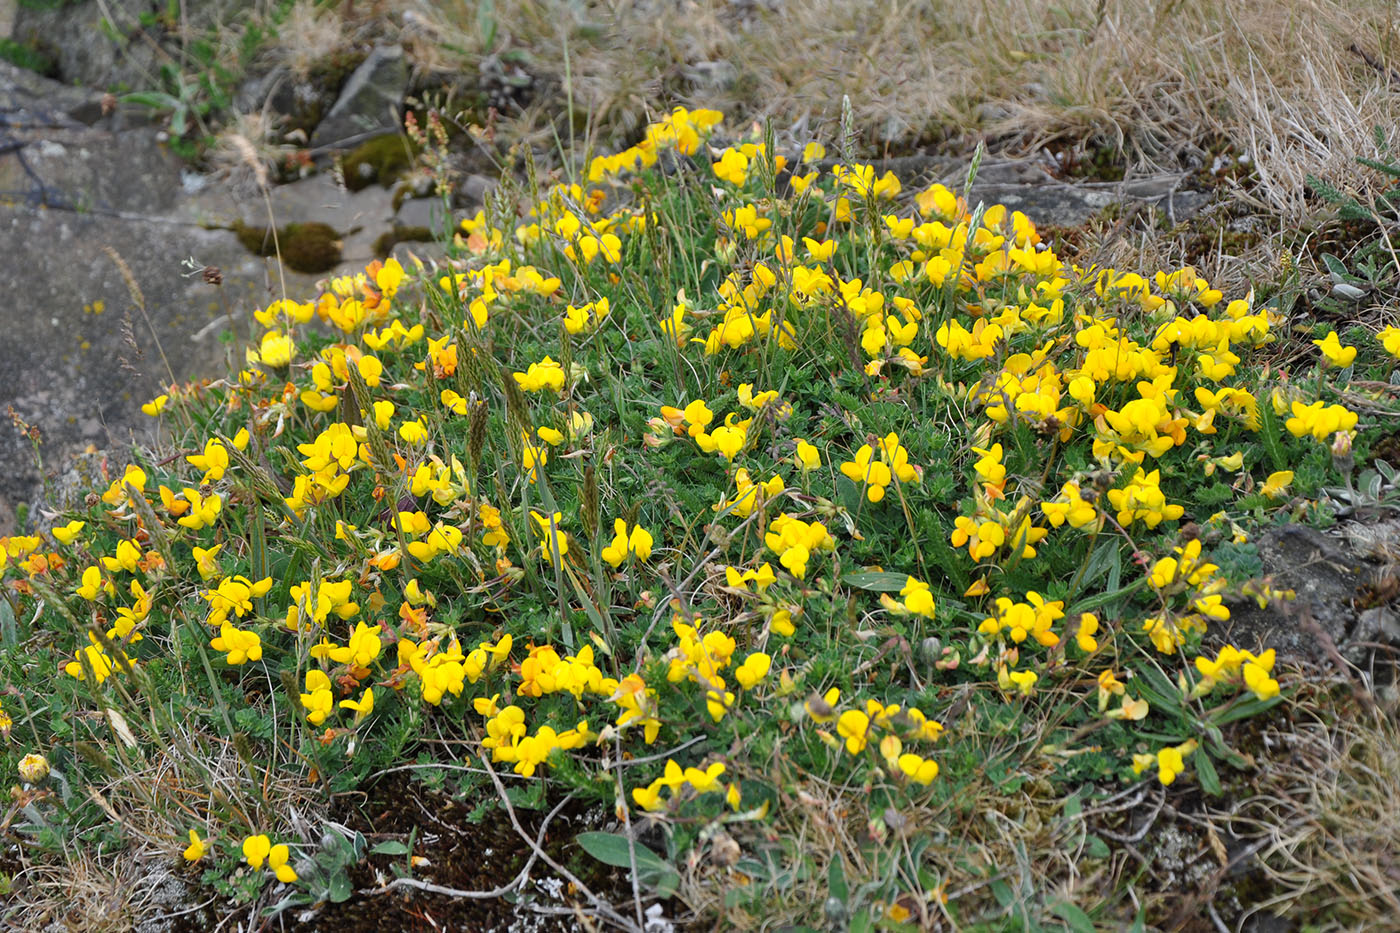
(29, 100)
(369, 102)
(476, 188)
(78, 370)
(119, 53)
(423, 212)
(1329, 572)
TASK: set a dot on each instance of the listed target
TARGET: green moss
(382, 160)
(385, 243)
(311, 248)
(25, 56)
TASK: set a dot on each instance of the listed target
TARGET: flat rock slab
(80, 357)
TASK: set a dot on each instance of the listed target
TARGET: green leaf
(153, 99)
(1337, 268)
(836, 881)
(390, 847)
(652, 870)
(1269, 431)
(339, 889)
(1094, 847)
(1073, 916)
(877, 581)
(1103, 599)
(1205, 771)
(1244, 709)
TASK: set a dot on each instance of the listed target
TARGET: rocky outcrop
(370, 103)
(91, 334)
(114, 44)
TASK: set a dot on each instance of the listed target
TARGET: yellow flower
(204, 510)
(918, 599)
(67, 534)
(240, 644)
(753, 669)
(1276, 484)
(213, 461)
(554, 544)
(733, 167)
(363, 706)
(1088, 626)
(389, 277)
(317, 700)
(363, 647)
(451, 401)
(256, 849)
(546, 374)
(1334, 352)
(1109, 686)
(276, 349)
(854, 727)
(205, 562)
(636, 543)
(1257, 680)
(156, 405)
(808, 457)
(865, 470)
(195, 850)
(918, 769)
(1319, 419)
(277, 860)
(33, 768)
(1170, 762)
(649, 797)
(1390, 339)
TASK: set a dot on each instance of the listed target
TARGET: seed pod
(476, 431)
(516, 406)
(590, 501)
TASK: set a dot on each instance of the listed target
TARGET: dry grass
(1328, 813)
(1297, 85)
(156, 793)
(307, 37)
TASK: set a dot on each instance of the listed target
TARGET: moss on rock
(310, 248)
(386, 241)
(383, 159)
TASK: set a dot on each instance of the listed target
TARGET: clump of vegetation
(819, 537)
(311, 248)
(382, 160)
(28, 56)
(384, 244)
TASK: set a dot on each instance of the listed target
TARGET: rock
(369, 102)
(117, 53)
(1331, 573)
(80, 356)
(297, 101)
(708, 77)
(31, 100)
(476, 188)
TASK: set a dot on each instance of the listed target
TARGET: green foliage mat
(788, 515)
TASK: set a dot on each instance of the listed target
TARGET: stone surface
(1330, 572)
(370, 101)
(80, 356)
(115, 44)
